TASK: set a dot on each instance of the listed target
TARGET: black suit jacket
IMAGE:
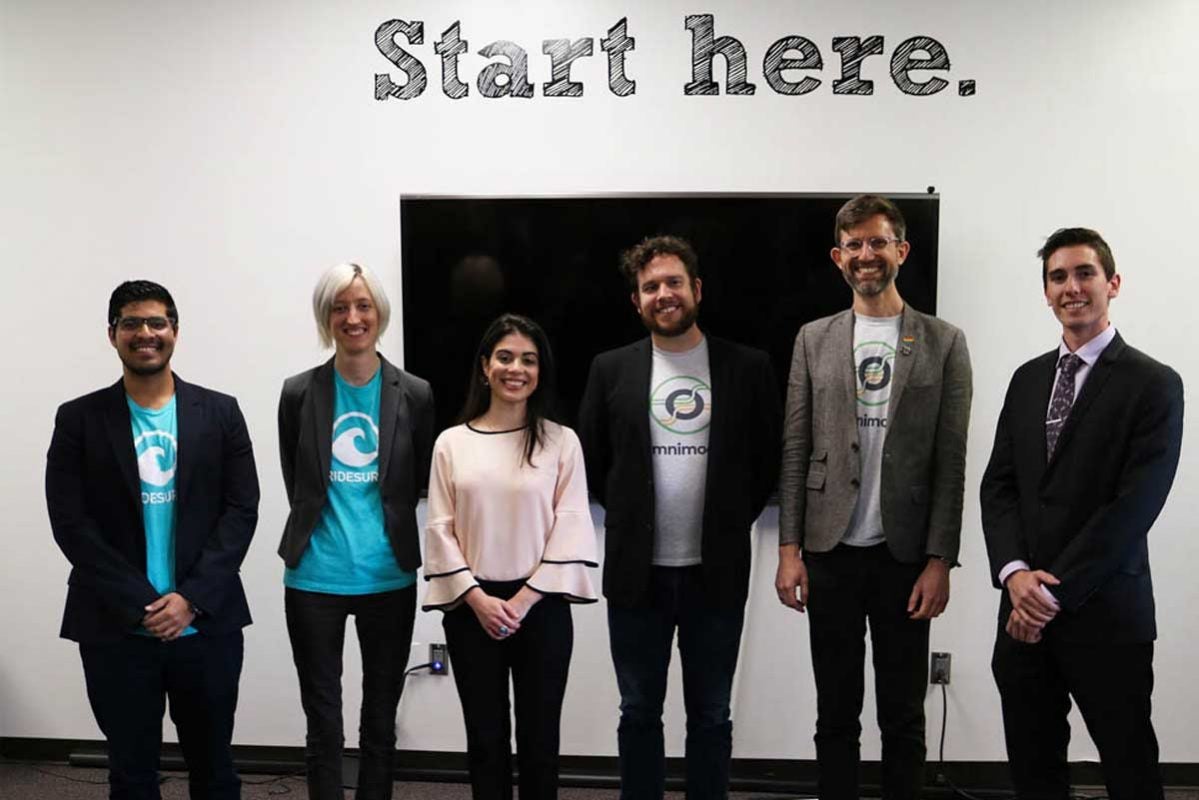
(306, 450)
(743, 459)
(93, 493)
(1084, 516)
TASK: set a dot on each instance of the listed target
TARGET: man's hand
(1031, 603)
(1020, 631)
(792, 574)
(498, 618)
(168, 616)
(930, 593)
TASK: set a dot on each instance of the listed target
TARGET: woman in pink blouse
(509, 543)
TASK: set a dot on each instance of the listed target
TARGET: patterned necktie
(1063, 399)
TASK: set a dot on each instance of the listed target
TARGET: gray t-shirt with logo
(874, 343)
(680, 411)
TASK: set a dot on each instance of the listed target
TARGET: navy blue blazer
(93, 494)
(1085, 514)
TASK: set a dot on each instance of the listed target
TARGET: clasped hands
(1033, 606)
(168, 616)
(501, 618)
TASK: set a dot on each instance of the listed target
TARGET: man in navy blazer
(153, 498)
(1085, 452)
(680, 434)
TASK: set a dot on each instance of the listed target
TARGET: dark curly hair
(633, 260)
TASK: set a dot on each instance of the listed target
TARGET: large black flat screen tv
(763, 258)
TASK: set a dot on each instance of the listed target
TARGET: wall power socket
(938, 671)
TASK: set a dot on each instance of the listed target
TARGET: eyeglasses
(134, 324)
(876, 243)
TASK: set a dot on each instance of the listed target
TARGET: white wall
(232, 151)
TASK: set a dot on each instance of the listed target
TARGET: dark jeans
(1112, 684)
(316, 624)
(538, 658)
(128, 684)
(641, 640)
(848, 586)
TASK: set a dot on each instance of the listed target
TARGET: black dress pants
(848, 587)
(316, 624)
(1112, 684)
(129, 683)
(538, 659)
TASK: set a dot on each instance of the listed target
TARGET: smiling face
(512, 369)
(870, 271)
(1078, 291)
(354, 319)
(145, 348)
(666, 298)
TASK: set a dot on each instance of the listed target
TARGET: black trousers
(848, 587)
(1112, 684)
(316, 624)
(129, 683)
(538, 658)
(641, 639)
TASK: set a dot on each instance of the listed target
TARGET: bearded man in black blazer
(153, 498)
(1085, 452)
(680, 433)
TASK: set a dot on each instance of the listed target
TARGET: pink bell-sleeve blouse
(494, 517)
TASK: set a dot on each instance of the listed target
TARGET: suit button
(855, 447)
(854, 482)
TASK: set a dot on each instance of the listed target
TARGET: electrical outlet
(439, 659)
(938, 672)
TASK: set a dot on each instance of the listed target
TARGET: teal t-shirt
(155, 439)
(349, 552)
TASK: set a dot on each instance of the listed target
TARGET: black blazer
(743, 460)
(93, 493)
(306, 450)
(1085, 515)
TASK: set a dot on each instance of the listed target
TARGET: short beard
(145, 371)
(872, 288)
(686, 322)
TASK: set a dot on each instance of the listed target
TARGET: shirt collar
(1091, 351)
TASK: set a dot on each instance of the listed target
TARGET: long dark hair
(542, 404)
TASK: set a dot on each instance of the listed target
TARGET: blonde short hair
(335, 281)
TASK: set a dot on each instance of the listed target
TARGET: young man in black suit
(681, 435)
(153, 497)
(1085, 452)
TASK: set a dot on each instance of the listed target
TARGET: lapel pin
(906, 347)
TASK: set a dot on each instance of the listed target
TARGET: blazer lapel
(189, 420)
(639, 386)
(1096, 379)
(911, 341)
(845, 369)
(320, 421)
(393, 414)
(720, 371)
(120, 435)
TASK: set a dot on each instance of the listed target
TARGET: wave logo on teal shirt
(156, 453)
(355, 440)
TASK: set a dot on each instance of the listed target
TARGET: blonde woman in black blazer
(355, 438)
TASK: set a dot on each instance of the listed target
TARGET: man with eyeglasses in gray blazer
(873, 470)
